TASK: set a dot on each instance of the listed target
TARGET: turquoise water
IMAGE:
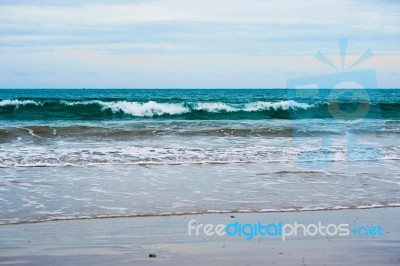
(70, 154)
(109, 105)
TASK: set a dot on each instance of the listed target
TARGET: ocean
(94, 153)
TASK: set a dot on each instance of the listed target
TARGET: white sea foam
(281, 105)
(251, 107)
(31, 132)
(18, 102)
(67, 103)
(118, 153)
(148, 109)
(215, 107)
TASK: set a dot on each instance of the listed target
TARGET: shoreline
(100, 217)
(126, 241)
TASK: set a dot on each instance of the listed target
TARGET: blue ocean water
(87, 153)
(93, 104)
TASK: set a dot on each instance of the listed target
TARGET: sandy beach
(130, 241)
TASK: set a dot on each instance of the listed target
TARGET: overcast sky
(191, 43)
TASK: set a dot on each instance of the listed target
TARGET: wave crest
(211, 110)
(17, 103)
(153, 108)
(281, 105)
(148, 109)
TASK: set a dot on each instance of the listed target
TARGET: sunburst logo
(343, 53)
(342, 78)
(356, 87)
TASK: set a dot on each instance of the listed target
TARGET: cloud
(62, 3)
(102, 36)
(207, 26)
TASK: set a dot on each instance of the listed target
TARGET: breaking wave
(103, 109)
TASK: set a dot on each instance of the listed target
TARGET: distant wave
(103, 109)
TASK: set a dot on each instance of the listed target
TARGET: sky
(192, 43)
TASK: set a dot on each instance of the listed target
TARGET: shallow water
(67, 154)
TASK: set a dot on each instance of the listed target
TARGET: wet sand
(130, 241)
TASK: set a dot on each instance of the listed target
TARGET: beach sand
(129, 241)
